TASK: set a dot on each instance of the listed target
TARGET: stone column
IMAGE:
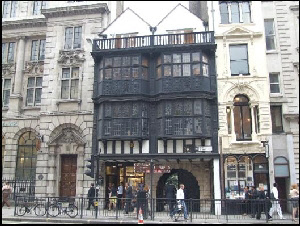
(217, 187)
(290, 150)
(16, 97)
(254, 134)
(233, 136)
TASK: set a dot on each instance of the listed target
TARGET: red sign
(145, 168)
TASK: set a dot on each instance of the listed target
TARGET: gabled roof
(118, 17)
(179, 5)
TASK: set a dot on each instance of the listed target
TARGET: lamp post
(266, 146)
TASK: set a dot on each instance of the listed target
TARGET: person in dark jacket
(262, 203)
(142, 202)
(253, 195)
(91, 196)
(128, 196)
(170, 195)
(246, 201)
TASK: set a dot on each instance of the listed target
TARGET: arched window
(26, 157)
(242, 118)
(3, 150)
(281, 167)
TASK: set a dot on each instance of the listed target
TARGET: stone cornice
(75, 10)
(27, 23)
(294, 7)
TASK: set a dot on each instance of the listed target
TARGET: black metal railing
(204, 210)
(20, 187)
(154, 40)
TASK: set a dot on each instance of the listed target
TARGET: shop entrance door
(281, 186)
(68, 175)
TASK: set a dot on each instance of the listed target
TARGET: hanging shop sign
(157, 168)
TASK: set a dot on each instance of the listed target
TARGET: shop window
(276, 116)
(238, 174)
(242, 118)
(26, 156)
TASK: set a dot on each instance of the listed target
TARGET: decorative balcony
(196, 38)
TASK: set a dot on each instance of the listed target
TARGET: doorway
(68, 176)
(282, 193)
(176, 177)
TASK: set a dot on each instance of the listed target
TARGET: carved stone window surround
(8, 69)
(74, 57)
(34, 68)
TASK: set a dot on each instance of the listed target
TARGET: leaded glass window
(70, 83)
(34, 91)
(38, 50)
(6, 87)
(9, 9)
(38, 6)
(73, 37)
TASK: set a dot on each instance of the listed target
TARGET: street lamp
(266, 146)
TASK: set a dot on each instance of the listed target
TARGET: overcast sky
(153, 11)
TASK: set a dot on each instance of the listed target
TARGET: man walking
(170, 195)
(180, 199)
(91, 196)
(120, 195)
(128, 196)
(275, 203)
(253, 195)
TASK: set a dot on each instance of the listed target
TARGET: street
(28, 222)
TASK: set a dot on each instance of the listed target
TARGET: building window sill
(274, 51)
(31, 108)
(4, 108)
(245, 142)
(68, 101)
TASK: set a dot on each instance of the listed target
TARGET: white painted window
(38, 50)
(9, 9)
(6, 87)
(274, 83)
(70, 83)
(8, 52)
(270, 34)
(73, 37)
(235, 12)
(34, 91)
(38, 6)
(239, 59)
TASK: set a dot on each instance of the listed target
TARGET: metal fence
(20, 187)
(153, 209)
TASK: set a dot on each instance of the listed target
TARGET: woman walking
(6, 190)
(294, 193)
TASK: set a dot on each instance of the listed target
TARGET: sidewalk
(8, 215)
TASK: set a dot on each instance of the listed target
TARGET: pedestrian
(180, 198)
(113, 197)
(142, 201)
(120, 196)
(170, 196)
(147, 189)
(294, 193)
(6, 191)
(260, 202)
(253, 195)
(134, 198)
(246, 201)
(275, 203)
(91, 196)
(128, 197)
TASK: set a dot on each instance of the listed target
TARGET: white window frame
(42, 5)
(35, 87)
(38, 50)
(70, 79)
(3, 91)
(10, 9)
(73, 38)
(273, 35)
(240, 7)
(278, 75)
(5, 55)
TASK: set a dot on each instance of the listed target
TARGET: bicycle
(58, 208)
(25, 207)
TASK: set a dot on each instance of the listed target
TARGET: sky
(153, 11)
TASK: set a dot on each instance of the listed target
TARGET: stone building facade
(243, 95)
(281, 21)
(47, 77)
